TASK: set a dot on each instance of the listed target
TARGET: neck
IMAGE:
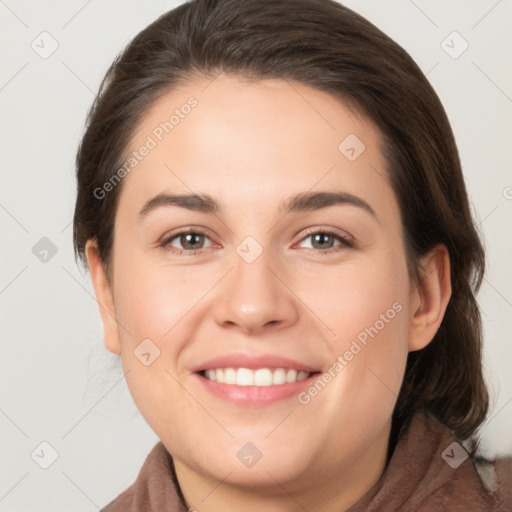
(314, 490)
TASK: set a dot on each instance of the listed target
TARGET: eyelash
(345, 243)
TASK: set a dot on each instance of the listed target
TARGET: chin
(274, 472)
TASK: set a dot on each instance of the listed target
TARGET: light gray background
(57, 382)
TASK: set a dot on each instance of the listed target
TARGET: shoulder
(123, 502)
(155, 488)
(444, 475)
(496, 478)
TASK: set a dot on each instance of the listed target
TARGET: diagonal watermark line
(492, 81)
(216, 487)
(286, 491)
(14, 485)
(302, 301)
(76, 14)
(81, 490)
(488, 421)
(379, 174)
(309, 104)
(14, 76)
(13, 279)
(95, 300)
(500, 294)
(432, 68)
(488, 215)
(210, 82)
(194, 305)
(383, 382)
(424, 14)
(78, 77)
(279, 424)
(12, 12)
(314, 185)
(14, 218)
(3, 412)
(200, 404)
(493, 417)
(115, 384)
(66, 226)
(486, 14)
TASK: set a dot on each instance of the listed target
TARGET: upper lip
(238, 360)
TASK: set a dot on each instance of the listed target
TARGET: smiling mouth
(261, 377)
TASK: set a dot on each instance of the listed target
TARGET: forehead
(251, 143)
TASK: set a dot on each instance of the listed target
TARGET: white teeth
(279, 376)
(244, 377)
(291, 376)
(260, 377)
(229, 376)
(302, 375)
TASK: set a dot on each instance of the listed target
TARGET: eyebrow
(305, 201)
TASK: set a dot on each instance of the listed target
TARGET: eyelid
(343, 235)
(346, 240)
(165, 240)
(182, 231)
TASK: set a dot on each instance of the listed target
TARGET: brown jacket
(428, 472)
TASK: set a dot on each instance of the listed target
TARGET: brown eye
(325, 241)
(186, 242)
(191, 240)
(321, 241)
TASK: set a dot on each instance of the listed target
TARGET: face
(260, 334)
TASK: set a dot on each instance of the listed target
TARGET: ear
(430, 298)
(103, 297)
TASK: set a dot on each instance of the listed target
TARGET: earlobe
(430, 298)
(103, 297)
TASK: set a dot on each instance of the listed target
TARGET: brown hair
(325, 45)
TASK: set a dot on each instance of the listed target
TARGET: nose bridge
(253, 296)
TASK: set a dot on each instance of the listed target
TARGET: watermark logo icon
(454, 45)
(147, 352)
(44, 455)
(249, 249)
(454, 455)
(44, 250)
(45, 45)
(249, 455)
(351, 147)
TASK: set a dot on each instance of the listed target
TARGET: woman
(272, 209)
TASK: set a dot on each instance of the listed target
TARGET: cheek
(153, 300)
(366, 309)
(152, 305)
(363, 300)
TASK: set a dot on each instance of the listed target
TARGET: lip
(253, 362)
(253, 396)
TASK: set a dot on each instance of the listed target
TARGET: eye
(324, 240)
(191, 242)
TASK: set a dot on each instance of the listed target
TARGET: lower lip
(256, 396)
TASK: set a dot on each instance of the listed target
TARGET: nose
(255, 296)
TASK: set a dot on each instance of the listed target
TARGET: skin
(251, 145)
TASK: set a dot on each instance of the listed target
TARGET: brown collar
(428, 472)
